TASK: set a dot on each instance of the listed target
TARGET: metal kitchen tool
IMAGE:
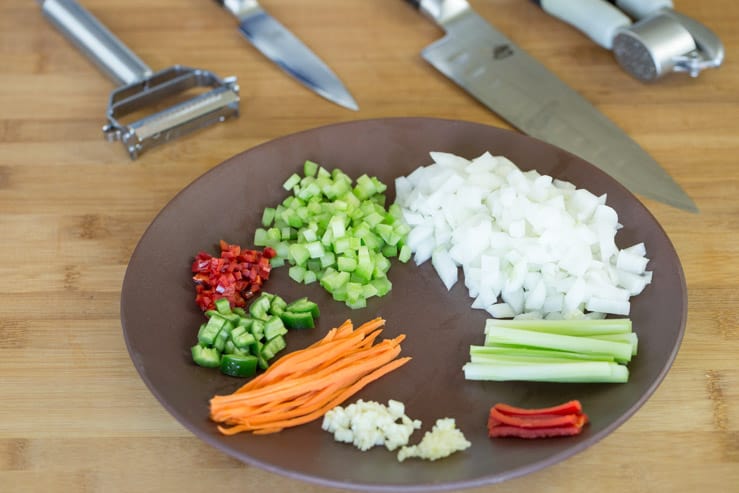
(141, 89)
(521, 90)
(661, 40)
(278, 44)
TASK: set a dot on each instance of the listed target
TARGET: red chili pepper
(561, 420)
(534, 420)
(238, 274)
(515, 431)
(570, 407)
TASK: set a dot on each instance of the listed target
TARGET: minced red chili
(237, 275)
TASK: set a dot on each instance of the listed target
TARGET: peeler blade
(216, 105)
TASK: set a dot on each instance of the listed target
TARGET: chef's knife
(278, 44)
(522, 91)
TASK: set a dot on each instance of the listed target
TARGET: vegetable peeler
(648, 38)
(140, 88)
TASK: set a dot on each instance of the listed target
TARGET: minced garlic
(443, 440)
(366, 424)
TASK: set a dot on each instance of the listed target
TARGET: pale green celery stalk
(630, 338)
(519, 360)
(577, 327)
(528, 352)
(504, 335)
(582, 372)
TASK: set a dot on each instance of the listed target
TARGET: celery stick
(529, 352)
(621, 351)
(586, 372)
(578, 327)
(630, 338)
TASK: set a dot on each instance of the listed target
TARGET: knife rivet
(502, 51)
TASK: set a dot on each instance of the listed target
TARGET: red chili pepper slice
(569, 407)
(534, 421)
(562, 420)
(515, 431)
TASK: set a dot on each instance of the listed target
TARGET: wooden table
(74, 415)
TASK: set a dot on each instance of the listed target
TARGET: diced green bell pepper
(239, 365)
(205, 356)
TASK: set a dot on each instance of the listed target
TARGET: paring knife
(526, 94)
(278, 44)
(661, 40)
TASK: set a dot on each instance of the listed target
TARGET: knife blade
(278, 44)
(525, 93)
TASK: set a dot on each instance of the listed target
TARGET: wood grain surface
(74, 415)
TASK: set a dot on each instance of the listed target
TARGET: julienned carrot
(336, 336)
(308, 383)
(337, 399)
(305, 384)
(303, 374)
(256, 395)
(243, 408)
(330, 353)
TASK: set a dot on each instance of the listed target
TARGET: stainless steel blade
(278, 44)
(526, 94)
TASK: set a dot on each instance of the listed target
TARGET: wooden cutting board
(74, 415)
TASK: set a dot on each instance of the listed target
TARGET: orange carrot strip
(370, 325)
(344, 331)
(285, 364)
(315, 401)
(310, 359)
(235, 414)
(267, 431)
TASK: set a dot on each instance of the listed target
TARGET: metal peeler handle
(92, 38)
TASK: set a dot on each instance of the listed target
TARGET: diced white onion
(529, 245)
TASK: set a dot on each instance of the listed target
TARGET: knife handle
(239, 8)
(441, 11)
(639, 9)
(597, 19)
(93, 39)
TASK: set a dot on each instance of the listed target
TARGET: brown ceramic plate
(160, 319)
